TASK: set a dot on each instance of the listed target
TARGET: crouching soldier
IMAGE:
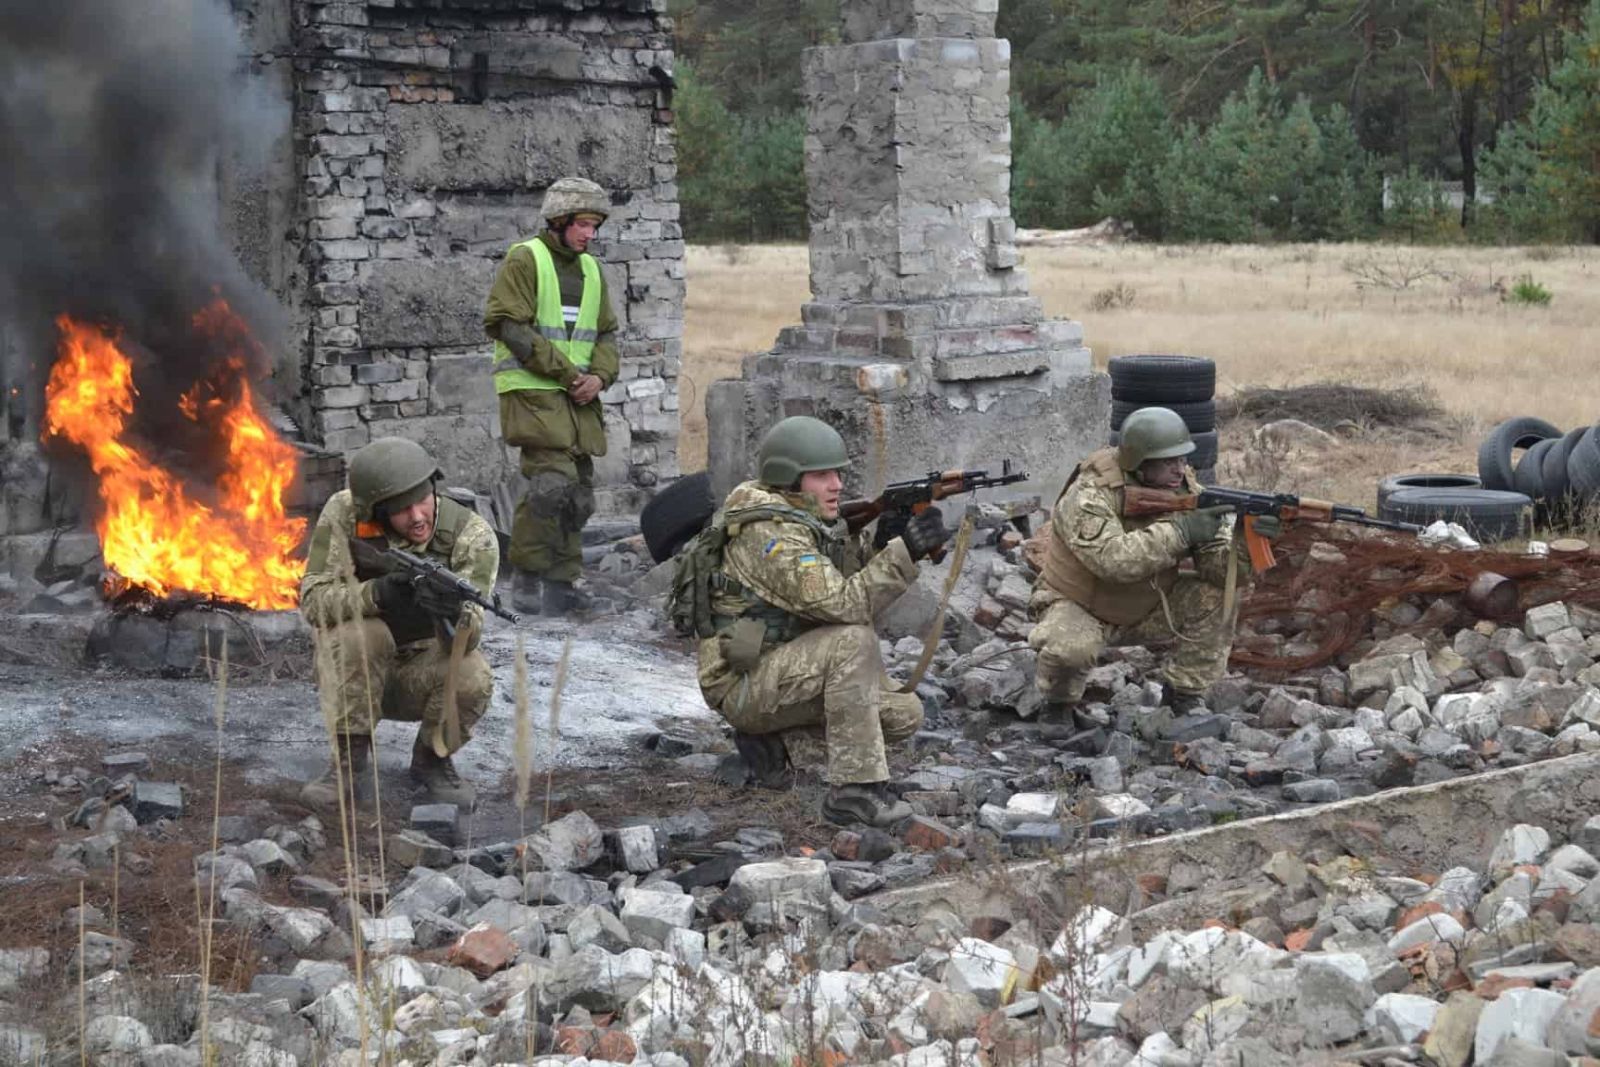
(1112, 578)
(382, 650)
(792, 608)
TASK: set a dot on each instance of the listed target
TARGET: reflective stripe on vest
(575, 340)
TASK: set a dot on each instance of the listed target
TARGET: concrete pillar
(921, 342)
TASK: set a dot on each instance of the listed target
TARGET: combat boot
(864, 802)
(350, 769)
(1186, 703)
(563, 598)
(765, 758)
(1056, 721)
(525, 596)
(438, 778)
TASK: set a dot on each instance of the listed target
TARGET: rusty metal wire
(1334, 603)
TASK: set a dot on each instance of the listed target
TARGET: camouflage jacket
(784, 565)
(330, 591)
(1126, 557)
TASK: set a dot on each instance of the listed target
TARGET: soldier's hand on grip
(925, 532)
(393, 593)
(1268, 526)
(1200, 526)
(439, 603)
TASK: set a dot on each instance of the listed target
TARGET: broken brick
(614, 1045)
(1491, 987)
(1297, 940)
(846, 845)
(483, 950)
(1411, 915)
(928, 834)
(574, 1040)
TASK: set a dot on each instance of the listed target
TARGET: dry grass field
(1396, 318)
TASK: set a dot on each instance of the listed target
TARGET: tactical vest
(699, 579)
(449, 519)
(574, 339)
(1116, 603)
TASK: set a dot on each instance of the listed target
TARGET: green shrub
(1529, 293)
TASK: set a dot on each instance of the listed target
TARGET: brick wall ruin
(422, 135)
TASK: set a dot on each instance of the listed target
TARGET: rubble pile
(580, 945)
(1415, 702)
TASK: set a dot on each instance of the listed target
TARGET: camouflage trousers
(407, 683)
(1068, 639)
(832, 676)
(547, 530)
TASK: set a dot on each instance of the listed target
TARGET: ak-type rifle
(1138, 501)
(900, 500)
(372, 561)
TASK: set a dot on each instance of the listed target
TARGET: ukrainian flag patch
(770, 549)
(808, 560)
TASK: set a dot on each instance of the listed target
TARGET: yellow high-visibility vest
(573, 337)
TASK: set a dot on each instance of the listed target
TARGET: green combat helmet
(1153, 433)
(796, 445)
(569, 196)
(387, 469)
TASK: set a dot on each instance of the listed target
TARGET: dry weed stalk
(83, 982)
(556, 687)
(209, 916)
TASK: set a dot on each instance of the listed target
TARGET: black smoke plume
(114, 118)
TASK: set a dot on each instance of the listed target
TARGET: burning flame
(152, 532)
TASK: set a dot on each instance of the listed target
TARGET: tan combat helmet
(567, 197)
(391, 471)
(1153, 433)
(796, 445)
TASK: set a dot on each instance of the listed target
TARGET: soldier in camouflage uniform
(1112, 578)
(794, 607)
(555, 351)
(380, 649)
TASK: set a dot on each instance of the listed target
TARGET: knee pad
(580, 505)
(548, 491)
(474, 684)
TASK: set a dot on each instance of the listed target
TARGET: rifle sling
(930, 640)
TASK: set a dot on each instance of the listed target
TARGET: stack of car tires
(1186, 384)
(1559, 471)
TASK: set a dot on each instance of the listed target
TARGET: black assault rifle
(1139, 501)
(372, 561)
(901, 500)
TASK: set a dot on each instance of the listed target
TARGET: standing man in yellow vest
(554, 353)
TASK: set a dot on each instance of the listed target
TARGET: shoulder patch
(770, 549)
(809, 560)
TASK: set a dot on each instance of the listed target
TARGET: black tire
(1557, 482)
(1583, 467)
(1199, 415)
(1488, 514)
(1528, 476)
(1203, 458)
(675, 514)
(1395, 482)
(1494, 454)
(1163, 380)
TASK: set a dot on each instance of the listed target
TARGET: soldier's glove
(1200, 526)
(518, 336)
(393, 593)
(439, 603)
(925, 532)
(891, 524)
(1268, 526)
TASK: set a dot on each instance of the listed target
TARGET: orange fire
(152, 532)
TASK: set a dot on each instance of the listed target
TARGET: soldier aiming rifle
(783, 594)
